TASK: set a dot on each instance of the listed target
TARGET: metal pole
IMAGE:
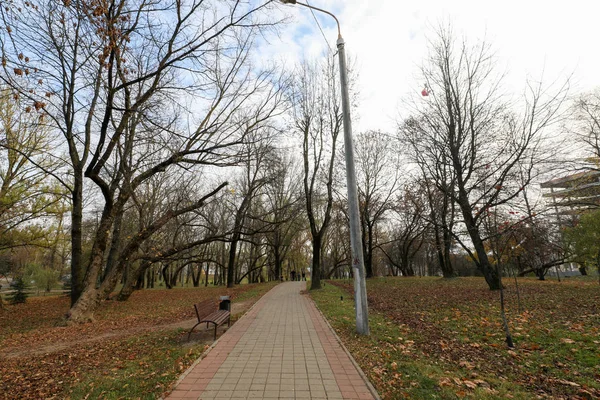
(358, 264)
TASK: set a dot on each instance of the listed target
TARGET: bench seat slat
(217, 317)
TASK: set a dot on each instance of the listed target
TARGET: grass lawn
(134, 349)
(434, 338)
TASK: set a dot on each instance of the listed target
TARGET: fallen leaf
(568, 383)
(470, 384)
(445, 382)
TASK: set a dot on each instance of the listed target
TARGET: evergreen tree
(19, 296)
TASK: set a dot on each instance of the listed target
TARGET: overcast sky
(388, 40)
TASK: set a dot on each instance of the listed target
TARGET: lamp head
(288, 1)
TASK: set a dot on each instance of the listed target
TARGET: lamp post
(358, 265)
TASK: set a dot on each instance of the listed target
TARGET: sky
(387, 39)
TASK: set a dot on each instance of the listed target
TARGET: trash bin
(225, 303)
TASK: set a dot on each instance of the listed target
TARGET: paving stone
(282, 348)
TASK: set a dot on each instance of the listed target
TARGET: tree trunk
(482, 262)
(80, 311)
(231, 261)
(278, 263)
(114, 245)
(490, 275)
(439, 245)
(238, 268)
(369, 252)
(540, 273)
(91, 296)
(315, 279)
(77, 268)
(217, 273)
(447, 269)
(196, 276)
(150, 278)
(175, 272)
(165, 275)
(141, 281)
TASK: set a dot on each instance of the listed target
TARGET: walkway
(281, 349)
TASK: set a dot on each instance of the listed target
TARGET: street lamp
(360, 287)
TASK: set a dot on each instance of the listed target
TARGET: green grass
(157, 361)
(396, 366)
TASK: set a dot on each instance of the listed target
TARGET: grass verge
(405, 358)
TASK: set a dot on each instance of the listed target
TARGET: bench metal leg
(189, 334)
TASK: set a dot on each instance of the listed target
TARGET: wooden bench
(205, 311)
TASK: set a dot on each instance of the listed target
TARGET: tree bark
(131, 279)
(231, 260)
(315, 275)
(165, 275)
(77, 268)
(114, 245)
(482, 262)
(278, 263)
(369, 252)
(196, 276)
(447, 269)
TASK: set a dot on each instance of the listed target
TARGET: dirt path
(25, 351)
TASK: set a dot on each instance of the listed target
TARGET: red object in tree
(424, 92)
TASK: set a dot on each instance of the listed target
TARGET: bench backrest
(204, 308)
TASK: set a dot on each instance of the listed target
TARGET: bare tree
(336, 245)
(468, 126)
(117, 75)
(257, 171)
(586, 123)
(409, 221)
(283, 201)
(317, 117)
(179, 244)
(377, 170)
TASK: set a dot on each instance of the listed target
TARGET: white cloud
(387, 38)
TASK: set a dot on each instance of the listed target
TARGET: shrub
(19, 295)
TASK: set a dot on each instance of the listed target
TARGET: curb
(360, 371)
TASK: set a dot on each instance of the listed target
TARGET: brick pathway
(281, 349)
